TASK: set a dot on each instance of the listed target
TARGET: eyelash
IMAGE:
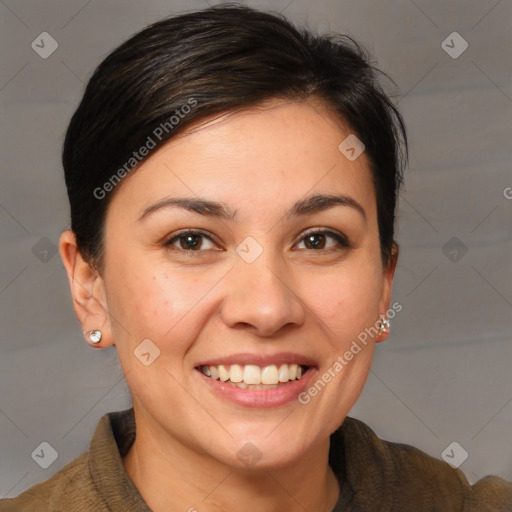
(342, 241)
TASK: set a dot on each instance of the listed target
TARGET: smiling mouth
(251, 376)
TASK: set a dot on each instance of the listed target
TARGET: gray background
(443, 375)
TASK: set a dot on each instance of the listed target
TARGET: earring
(385, 324)
(95, 336)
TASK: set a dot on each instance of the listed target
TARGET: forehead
(252, 158)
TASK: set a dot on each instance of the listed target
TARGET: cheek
(346, 301)
(141, 301)
(158, 305)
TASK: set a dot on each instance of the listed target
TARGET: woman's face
(273, 274)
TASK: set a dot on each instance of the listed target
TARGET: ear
(87, 291)
(385, 300)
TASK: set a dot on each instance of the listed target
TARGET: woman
(233, 186)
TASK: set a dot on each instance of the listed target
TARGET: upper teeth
(253, 374)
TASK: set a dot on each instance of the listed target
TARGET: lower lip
(261, 398)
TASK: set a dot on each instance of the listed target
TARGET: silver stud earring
(385, 324)
(95, 336)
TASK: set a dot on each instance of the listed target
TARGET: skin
(210, 303)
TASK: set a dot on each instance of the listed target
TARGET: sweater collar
(112, 439)
(368, 469)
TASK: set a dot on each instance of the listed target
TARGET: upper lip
(260, 359)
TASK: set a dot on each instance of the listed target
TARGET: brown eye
(319, 240)
(190, 241)
(315, 241)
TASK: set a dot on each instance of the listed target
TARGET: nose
(259, 297)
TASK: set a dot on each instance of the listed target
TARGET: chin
(264, 449)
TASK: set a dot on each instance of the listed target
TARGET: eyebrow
(308, 206)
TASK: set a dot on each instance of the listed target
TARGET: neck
(180, 478)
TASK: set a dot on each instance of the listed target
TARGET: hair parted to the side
(225, 58)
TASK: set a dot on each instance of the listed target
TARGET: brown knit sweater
(374, 475)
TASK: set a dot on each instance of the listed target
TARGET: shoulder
(81, 485)
(490, 494)
(68, 489)
(416, 477)
(94, 481)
